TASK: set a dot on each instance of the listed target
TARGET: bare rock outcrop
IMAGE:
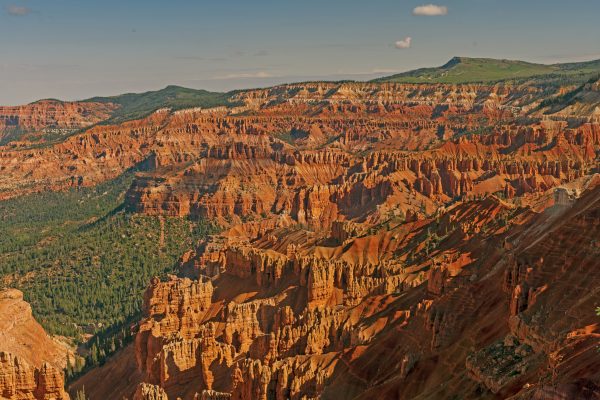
(31, 362)
(20, 380)
(377, 241)
(146, 391)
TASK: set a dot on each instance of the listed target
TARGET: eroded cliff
(31, 363)
(376, 241)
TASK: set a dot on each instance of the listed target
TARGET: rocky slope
(386, 148)
(50, 116)
(291, 314)
(21, 335)
(31, 363)
(288, 138)
(377, 241)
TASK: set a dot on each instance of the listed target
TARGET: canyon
(375, 240)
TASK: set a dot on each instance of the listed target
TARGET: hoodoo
(433, 234)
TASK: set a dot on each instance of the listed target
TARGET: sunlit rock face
(31, 363)
(375, 241)
(288, 313)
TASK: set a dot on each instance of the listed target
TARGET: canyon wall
(31, 363)
(375, 241)
(51, 116)
(471, 303)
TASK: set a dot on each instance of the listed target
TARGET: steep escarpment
(451, 305)
(375, 241)
(50, 116)
(31, 363)
(246, 176)
(21, 335)
(288, 137)
(506, 359)
(100, 154)
(315, 151)
(21, 381)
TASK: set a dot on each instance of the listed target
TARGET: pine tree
(81, 394)
(69, 372)
(79, 364)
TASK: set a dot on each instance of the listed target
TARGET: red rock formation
(198, 155)
(146, 391)
(21, 335)
(21, 381)
(379, 241)
(434, 301)
(52, 116)
(31, 362)
(178, 307)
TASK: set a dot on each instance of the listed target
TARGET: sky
(76, 49)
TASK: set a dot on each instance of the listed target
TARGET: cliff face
(99, 154)
(21, 335)
(471, 303)
(21, 381)
(306, 149)
(294, 157)
(377, 241)
(31, 363)
(317, 187)
(51, 116)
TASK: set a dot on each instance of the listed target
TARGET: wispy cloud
(196, 58)
(384, 71)
(430, 10)
(17, 11)
(565, 58)
(200, 58)
(404, 43)
(373, 71)
(246, 75)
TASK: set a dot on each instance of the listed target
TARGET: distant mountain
(487, 70)
(138, 105)
(51, 120)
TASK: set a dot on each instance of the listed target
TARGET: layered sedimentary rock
(318, 183)
(376, 241)
(51, 116)
(334, 185)
(101, 153)
(309, 151)
(146, 391)
(439, 300)
(31, 362)
(19, 380)
(23, 336)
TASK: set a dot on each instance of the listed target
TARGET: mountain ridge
(138, 105)
(357, 225)
(591, 66)
(463, 70)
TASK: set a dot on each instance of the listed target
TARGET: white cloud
(384, 71)
(403, 44)
(259, 74)
(17, 11)
(430, 10)
(374, 71)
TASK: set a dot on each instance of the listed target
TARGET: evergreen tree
(81, 394)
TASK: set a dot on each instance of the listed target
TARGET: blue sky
(71, 49)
